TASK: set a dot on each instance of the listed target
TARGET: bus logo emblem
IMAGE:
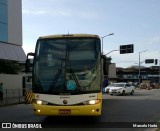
(65, 102)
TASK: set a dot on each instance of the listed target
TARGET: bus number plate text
(65, 111)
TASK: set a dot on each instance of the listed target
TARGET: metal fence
(12, 96)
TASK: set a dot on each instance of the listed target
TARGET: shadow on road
(71, 121)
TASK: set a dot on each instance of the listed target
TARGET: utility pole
(140, 65)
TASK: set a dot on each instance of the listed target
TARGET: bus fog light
(93, 110)
(39, 111)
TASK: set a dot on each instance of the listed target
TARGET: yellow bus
(67, 75)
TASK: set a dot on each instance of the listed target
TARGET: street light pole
(111, 51)
(140, 65)
(104, 37)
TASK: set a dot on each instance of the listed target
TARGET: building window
(129, 76)
(124, 76)
(3, 21)
(3, 32)
(135, 76)
(3, 2)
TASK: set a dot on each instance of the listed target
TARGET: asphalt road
(143, 106)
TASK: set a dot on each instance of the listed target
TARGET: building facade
(12, 54)
(11, 30)
(151, 74)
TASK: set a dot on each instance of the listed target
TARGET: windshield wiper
(75, 79)
(70, 69)
(54, 81)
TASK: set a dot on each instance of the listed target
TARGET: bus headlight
(91, 102)
(40, 102)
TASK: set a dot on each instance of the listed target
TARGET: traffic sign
(126, 49)
(156, 61)
(149, 61)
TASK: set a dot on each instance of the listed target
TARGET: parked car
(135, 84)
(121, 89)
(106, 89)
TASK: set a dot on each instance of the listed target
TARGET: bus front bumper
(83, 110)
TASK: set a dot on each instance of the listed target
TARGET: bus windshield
(67, 65)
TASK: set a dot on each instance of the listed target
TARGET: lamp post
(140, 65)
(111, 51)
(104, 37)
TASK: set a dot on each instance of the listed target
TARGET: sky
(134, 22)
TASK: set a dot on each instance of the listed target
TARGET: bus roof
(69, 35)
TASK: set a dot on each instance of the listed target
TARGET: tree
(106, 63)
(9, 67)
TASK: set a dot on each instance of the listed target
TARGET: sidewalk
(12, 101)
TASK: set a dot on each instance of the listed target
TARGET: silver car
(106, 89)
(121, 89)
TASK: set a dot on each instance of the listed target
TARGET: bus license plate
(65, 111)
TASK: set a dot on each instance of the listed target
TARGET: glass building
(11, 30)
(3, 21)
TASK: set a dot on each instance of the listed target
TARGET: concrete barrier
(12, 96)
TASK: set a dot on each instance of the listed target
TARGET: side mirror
(28, 65)
(28, 62)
